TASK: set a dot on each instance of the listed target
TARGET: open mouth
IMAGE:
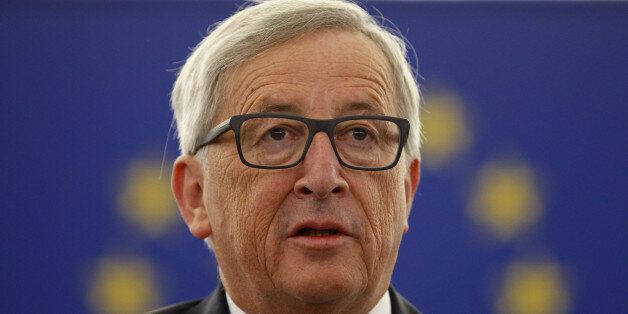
(310, 232)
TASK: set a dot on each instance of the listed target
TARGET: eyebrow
(361, 106)
(279, 107)
(352, 108)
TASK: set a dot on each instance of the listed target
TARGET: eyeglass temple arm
(213, 134)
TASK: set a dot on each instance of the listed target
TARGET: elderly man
(299, 131)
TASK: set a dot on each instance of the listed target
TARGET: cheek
(243, 202)
(266, 197)
(383, 203)
(222, 207)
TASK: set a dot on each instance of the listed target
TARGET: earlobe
(411, 185)
(187, 186)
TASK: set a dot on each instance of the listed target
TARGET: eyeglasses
(277, 141)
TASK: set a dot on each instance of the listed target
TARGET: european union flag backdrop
(522, 206)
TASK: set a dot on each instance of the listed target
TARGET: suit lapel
(215, 303)
(399, 305)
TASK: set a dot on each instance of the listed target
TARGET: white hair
(197, 90)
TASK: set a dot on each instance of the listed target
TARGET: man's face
(269, 228)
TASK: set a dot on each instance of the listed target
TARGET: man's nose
(321, 176)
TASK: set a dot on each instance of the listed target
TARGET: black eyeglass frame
(314, 127)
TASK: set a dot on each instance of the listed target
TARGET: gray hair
(197, 90)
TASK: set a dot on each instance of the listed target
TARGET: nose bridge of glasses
(316, 127)
(320, 147)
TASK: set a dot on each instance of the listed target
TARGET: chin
(317, 285)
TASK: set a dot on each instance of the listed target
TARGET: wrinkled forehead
(343, 64)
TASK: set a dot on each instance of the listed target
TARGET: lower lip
(320, 243)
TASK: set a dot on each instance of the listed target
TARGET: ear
(411, 183)
(187, 186)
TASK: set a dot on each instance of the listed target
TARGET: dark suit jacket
(216, 302)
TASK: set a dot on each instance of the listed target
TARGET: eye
(359, 134)
(356, 132)
(277, 134)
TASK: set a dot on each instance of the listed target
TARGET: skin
(249, 213)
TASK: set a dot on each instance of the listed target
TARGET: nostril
(305, 190)
(336, 190)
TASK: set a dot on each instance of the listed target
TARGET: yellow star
(445, 128)
(533, 288)
(146, 200)
(123, 285)
(505, 200)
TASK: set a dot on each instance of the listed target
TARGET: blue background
(85, 88)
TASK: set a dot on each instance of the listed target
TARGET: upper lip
(318, 225)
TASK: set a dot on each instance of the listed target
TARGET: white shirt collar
(233, 308)
(382, 307)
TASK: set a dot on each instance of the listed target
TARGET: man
(298, 126)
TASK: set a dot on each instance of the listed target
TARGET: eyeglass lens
(368, 143)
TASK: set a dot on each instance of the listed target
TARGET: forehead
(326, 70)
